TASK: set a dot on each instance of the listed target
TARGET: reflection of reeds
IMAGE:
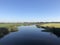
(53, 30)
(51, 27)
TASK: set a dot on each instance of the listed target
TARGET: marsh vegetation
(51, 27)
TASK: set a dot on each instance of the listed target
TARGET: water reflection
(54, 31)
(4, 31)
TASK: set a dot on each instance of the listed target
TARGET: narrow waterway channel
(30, 35)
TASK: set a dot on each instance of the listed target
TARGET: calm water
(30, 35)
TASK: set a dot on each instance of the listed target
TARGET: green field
(55, 25)
(10, 26)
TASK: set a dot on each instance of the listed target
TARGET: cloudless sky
(29, 10)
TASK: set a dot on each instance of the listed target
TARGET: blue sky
(29, 10)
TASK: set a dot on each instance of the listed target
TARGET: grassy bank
(10, 26)
(50, 25)
(6, 28)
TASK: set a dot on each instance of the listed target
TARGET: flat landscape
(55, 25)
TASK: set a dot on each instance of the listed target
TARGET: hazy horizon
(29, 10)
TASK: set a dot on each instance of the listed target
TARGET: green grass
(55, 25)
(10, 26)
